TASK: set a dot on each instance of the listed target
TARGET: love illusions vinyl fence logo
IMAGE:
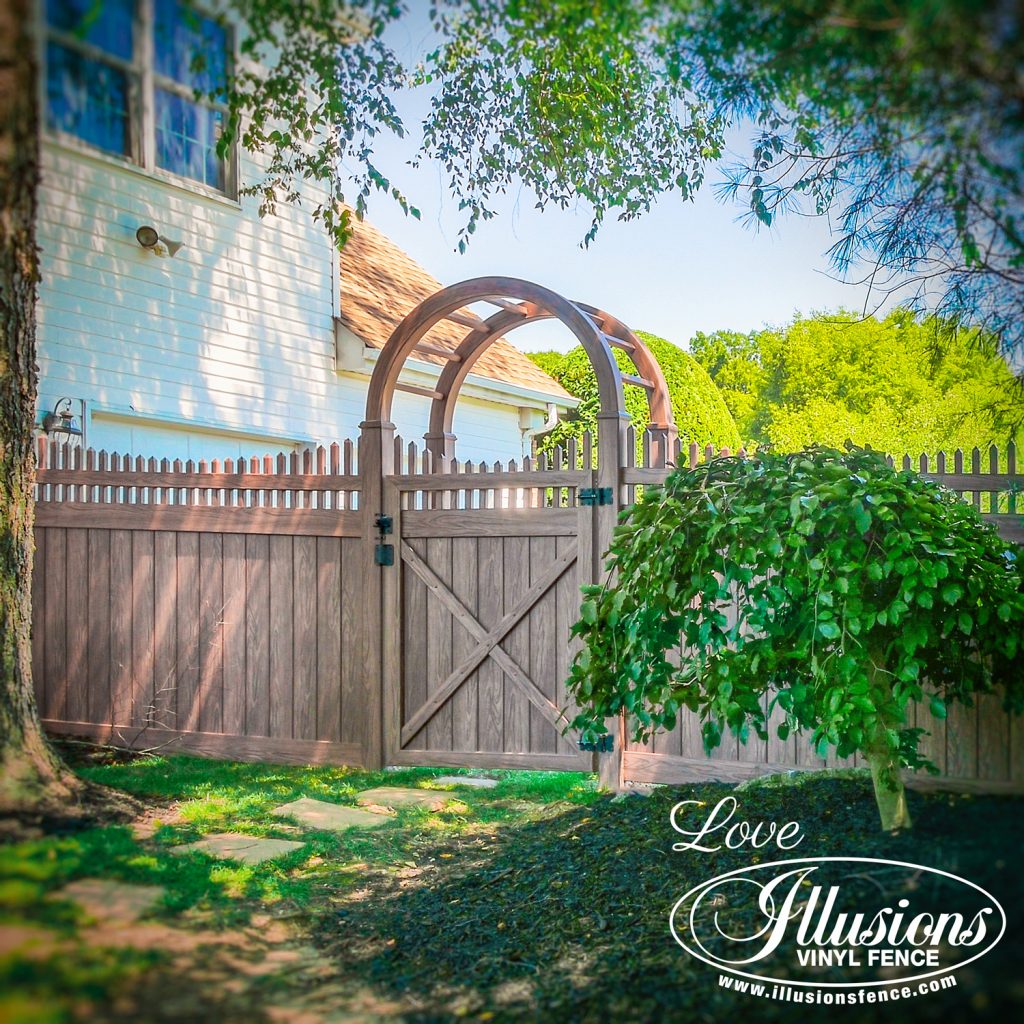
(869, 921)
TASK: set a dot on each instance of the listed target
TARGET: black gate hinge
(596, 496)
(602, 745)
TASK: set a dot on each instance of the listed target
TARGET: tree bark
(32, 777)
(890, 794)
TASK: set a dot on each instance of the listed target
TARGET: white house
(173, 320)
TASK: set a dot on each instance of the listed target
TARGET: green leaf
(588, 612)
(937, 706)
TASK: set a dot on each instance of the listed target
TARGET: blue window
(89, 59)
(168, 116)
(190, 63)
(189, 49)
(87, 98)
(106, 24)
(186, 139)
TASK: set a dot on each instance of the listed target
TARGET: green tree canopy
(904, 122)
(701, 414)
(886, 384)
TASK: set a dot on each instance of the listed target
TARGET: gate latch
(596, 496)
(384, 554)
(602, 745)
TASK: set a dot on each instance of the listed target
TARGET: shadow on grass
(567, 918)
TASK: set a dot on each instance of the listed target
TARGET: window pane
(104, 23)
(186, 139)
(189, 48)
(87, 98)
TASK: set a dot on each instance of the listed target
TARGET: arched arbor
(518, 303)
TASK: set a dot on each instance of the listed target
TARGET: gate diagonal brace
(488, 641)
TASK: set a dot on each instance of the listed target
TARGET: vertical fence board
(540, 638)
(465, 701)
(99, 709)
(439, 628)
(211, 632)
(233, 634)
(257, 636)
(304, 696)
(517, 709)
(142, 626)
(490, 588)
(354, 713)
(55, 691)
(121, 627)
(328, 638)
(414, 646)
(77, 596)
(188, 630)
(281, 638)
(165, 627)
(39, 618)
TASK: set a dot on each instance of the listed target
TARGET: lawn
(540, 899)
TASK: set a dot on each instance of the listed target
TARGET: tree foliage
(880, 383)
(852, 585)
(904, 123)
(700, 413)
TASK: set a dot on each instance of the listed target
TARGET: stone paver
(247, 849)
(473, 781)
(331, 817)
(400, 796)
(104, 899)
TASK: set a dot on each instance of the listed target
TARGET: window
(141, 79)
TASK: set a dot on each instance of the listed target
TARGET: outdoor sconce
(61, 420)
(149, 238)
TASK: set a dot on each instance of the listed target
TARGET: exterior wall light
(61, 420)
(149, 238)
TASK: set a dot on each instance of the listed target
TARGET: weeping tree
(860, 591)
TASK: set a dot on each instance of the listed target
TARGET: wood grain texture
(282, 624)
(257, 636)
(304, 659)
(233, 633)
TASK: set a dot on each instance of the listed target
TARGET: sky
(686, 266)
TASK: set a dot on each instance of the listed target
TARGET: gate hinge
(596, 496)
(602, 745)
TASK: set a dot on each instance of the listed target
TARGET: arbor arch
(518, 303)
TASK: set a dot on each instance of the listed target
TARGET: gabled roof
(380, 284)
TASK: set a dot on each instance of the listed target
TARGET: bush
(854, 584)
(700, 411)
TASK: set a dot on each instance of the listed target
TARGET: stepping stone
(108, 900)
(399, 796)
(247, 849)
(473, 781)
(330, 817)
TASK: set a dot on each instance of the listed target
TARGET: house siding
(226, 349)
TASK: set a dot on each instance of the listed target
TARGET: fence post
(611, 458)
(376, 462)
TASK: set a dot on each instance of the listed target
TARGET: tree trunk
(32, 777)
(890, 794)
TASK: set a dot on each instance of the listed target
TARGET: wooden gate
(478, 604)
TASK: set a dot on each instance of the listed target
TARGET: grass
(538, 900)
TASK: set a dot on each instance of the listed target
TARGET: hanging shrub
(860, 590)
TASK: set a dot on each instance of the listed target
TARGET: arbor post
(611, 453)
(376, 462)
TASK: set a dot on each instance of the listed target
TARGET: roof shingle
(380, 284)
